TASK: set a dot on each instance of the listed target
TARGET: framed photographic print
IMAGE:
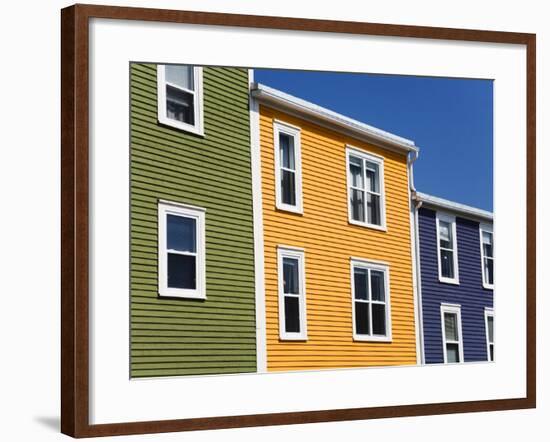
(272, 220)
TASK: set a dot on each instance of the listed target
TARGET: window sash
(364, 213)
(486, 259)
(370, 302)
(451, 249)
(298, 256)
(452, 311)
(288, 192)
(197, 289)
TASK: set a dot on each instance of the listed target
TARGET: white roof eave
(268, 95)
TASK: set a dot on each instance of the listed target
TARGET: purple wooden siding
(470, 294)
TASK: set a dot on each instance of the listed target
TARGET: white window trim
(450, 219)
(299, 254)
(453, 309)
(371, 265)
(295, 132)
(198, 127)
(489, 229)
(364, 155)
(489, 312)
(168, 207)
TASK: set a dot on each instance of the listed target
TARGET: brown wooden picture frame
(75, 219)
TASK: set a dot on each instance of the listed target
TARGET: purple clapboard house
(455, 260)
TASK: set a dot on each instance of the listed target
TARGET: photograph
(298, 220)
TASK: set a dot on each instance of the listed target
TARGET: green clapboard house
(191, 244)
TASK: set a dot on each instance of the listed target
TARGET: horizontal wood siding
(329, 242)
(183, 336)
(470, 293)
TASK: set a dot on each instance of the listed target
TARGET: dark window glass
(488, 270)
(181, 233)
(292, 314)
(372, 177)
(286, 148)
(358, 205)
(447, 265)
(356, 171)
(362, 318)
(451, 327)
(379, 319)
(373, 209)
(288, 187)
(377, 285)
(291, 283)
(490, 328)
(181, 271)
(361, 283)
(453, 354)
(179, 105)
(492, 352)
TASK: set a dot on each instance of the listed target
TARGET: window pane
(291, 283)
(180, 75)
(488, 269)
(179, 105)
(357, 205)
(356, 172)
(181, 233)
(377, 285)
(373, 209)
(451, 327)
(378, 319)
(488, 244)
(491, 352)
(445, 235)
(288, 187)
(360, 277)
(447, 265)
(292, 314)
(286, 149)
(453, 353)
(362, 318)
(372, 177)
(182, 271)
(490, 328)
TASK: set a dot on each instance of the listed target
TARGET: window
(288, 167)
(371, 304)
(447, 248)
(489, 321)
(179, 91)
(452, 333)
(181, 249)
(292, 298)
(365, 189)
(486, 235)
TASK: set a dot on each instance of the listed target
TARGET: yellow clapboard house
(338, 285)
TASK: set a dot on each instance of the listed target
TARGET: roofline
(279, 99)
(462, 209)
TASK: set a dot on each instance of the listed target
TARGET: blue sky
(451, 120)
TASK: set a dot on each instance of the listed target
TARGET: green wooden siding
(184, 336)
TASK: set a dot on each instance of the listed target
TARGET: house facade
(337, 267)
(456, 281)
(192, 298)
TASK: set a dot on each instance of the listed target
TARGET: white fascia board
(279, 99)
(457, 208)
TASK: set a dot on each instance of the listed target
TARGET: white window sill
(449, 281)
(365, 338)
(488, 287)
(196, 130)
(292, 209)
(293, 338)
(368, 226)
(184, 294)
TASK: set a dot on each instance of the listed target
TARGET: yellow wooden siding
(329, 242)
